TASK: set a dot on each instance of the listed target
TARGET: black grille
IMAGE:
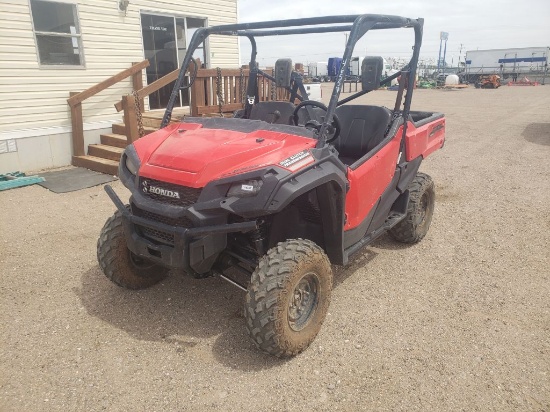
(156, 234)
(187, 196)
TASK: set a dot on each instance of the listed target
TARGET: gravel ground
(460, 321)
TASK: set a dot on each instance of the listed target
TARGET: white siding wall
(36, 97)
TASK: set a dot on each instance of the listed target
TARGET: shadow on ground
(180, 310)
(386, 242)
(538, 133)
(184, 310)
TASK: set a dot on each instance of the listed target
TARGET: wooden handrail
(80, 97)
(153, 87)
(156, 85)
(76, 98)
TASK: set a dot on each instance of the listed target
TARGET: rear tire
(288, 297)
(419, 211)
(119, 264)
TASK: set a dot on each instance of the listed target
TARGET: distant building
(508, 63)
(51, 48)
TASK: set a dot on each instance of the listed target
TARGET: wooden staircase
(105, 156)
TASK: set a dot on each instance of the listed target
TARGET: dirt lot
(460, 321)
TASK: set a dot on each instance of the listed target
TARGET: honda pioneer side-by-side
(268, 199)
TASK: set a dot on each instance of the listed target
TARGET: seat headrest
(283, 72)
(371, 72)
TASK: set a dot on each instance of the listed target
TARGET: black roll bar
(357, 25)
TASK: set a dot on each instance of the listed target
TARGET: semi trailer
(508, 63)
(318, 71)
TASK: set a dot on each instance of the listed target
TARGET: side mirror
(371, 72)
(283, 72)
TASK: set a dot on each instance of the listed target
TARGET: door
(369, 180)
(159, 44)
(185, 28)
(165, 42)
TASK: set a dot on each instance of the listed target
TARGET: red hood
(189, 155)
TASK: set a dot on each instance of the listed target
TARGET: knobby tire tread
(406, 231)
(266, 300)
(114, 258)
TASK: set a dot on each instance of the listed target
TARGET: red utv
(269, 199)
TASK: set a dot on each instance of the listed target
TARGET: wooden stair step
(120, 128)
(151, 122)
(97, 164)
(113, 139)
(105, 151)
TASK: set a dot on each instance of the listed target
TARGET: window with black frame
(57, 33)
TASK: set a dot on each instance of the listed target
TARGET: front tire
(420, 210)
(288, 297)
(119, 264)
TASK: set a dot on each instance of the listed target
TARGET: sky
(471, 24)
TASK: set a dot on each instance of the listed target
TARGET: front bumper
(194, 249)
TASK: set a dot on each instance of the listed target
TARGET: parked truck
(333, 65)
(507, 63)
(318, 71)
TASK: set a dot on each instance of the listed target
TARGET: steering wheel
(334, 127)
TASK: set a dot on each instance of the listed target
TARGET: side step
(97, 164)
(393, 219)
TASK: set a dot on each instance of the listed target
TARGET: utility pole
(459, 54)
(439, 54)
(445, 53)
(443, 36)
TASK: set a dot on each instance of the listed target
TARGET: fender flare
(330, 181)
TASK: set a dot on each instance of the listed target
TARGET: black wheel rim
(303, 302)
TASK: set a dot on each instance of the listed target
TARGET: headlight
(246, 188)
(128, 167)
(132, 165)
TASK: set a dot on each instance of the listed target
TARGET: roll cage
(357, 25)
